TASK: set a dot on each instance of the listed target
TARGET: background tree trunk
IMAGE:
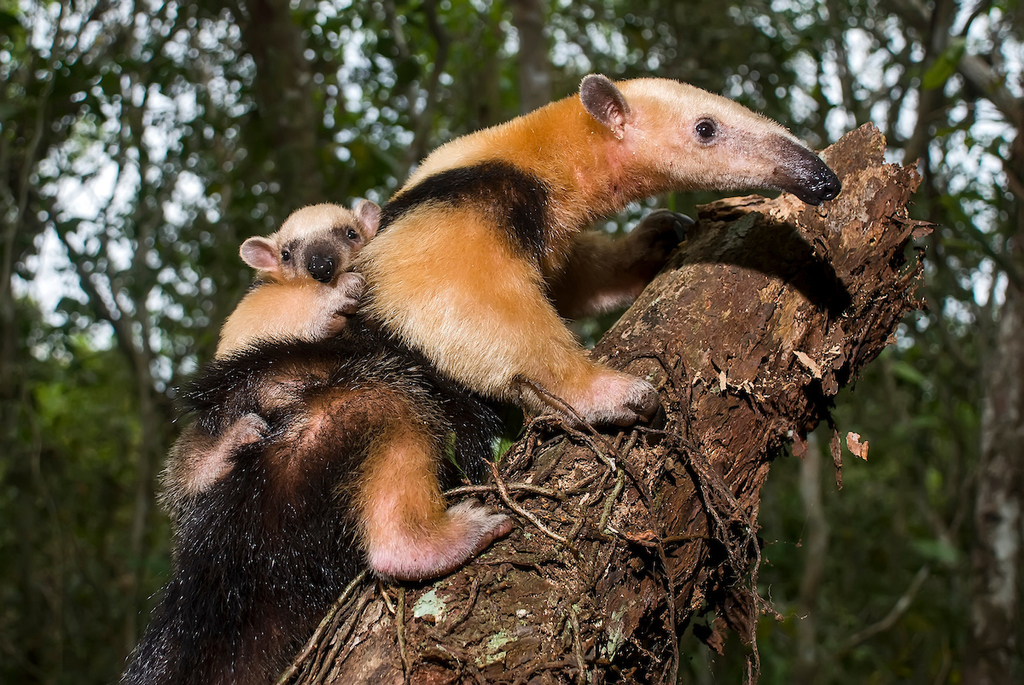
(996, 557)
(625, 539)
(534, 70)
(284, 114)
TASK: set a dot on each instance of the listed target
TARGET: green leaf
(937, 550)
(907, 373)
(945, 66)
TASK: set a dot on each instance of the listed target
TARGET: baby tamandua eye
(286, 255)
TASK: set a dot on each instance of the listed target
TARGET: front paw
(618, 399)
(348, 291)
(660, 233)
(346, 296)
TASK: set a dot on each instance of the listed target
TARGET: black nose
(321, 267)
(804, 174)
(824, 187)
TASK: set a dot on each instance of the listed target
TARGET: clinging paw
(609, 398)
(433, 550)
(660, 233)
(619, 398)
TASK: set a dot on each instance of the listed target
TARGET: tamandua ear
(604, 102)
(368, 214)
(260, 253)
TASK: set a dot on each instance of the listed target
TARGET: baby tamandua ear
(261, 254)
(368, 214)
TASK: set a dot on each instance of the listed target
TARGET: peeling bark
(624, 538)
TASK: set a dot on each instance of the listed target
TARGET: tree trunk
(626, 538)
(284, 116)
(994, 656)
(534, 71)
(815, 553)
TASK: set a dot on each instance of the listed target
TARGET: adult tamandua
(357, 430)
(471, 247)
(303, 287)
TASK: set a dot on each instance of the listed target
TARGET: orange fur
(305, 310)
(602, 274)
(407, 532)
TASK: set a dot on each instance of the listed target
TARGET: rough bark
(626, 538)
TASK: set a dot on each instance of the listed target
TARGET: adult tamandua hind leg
(407, 533)
(344, 474)
(460, 267)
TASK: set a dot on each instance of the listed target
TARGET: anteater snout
(321, 267)
(824, 186)
(804, 174)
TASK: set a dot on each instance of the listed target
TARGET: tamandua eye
(286, 255)
(352, 235)
(706, 130)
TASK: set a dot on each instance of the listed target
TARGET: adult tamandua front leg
(495, 328)
(603, 274)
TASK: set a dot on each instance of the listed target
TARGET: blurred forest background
(141, 142)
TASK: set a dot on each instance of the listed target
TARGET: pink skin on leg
(615, 398)
(205, 466)
(407, 532)
(436, 549)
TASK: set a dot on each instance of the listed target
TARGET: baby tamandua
(304, 288)
(482, 248)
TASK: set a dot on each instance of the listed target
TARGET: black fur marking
(260, 554)
(517, 200)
